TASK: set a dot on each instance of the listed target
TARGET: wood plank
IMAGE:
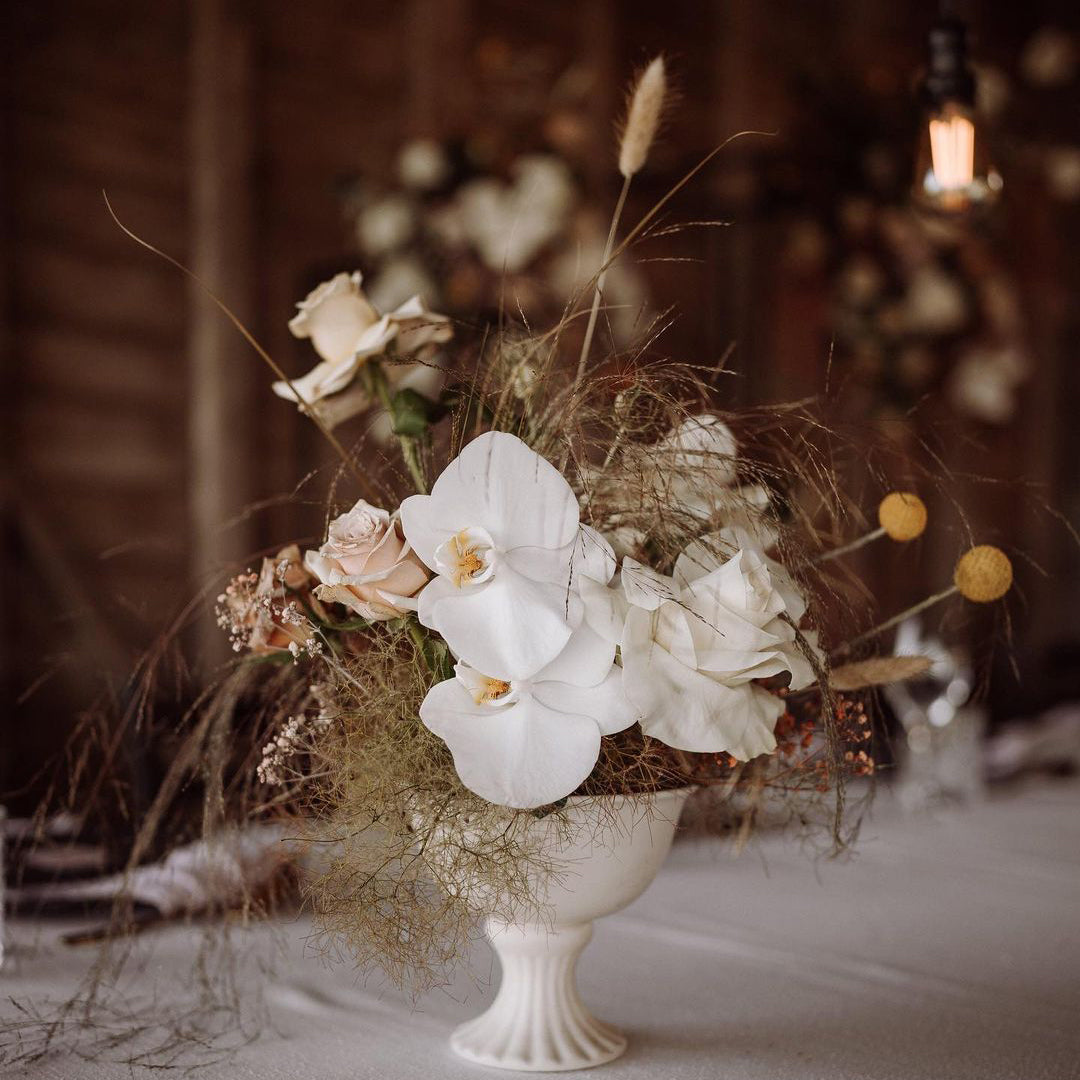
(63, 362)
(108, 293)
(221, 140)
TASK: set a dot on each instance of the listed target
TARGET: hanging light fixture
(953, 173)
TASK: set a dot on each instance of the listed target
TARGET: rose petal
(334, 315)
(672, 630)
(644, 587)
(319, 382)
(374, 339)
(686, 709)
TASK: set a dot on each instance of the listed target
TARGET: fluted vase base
(537, 1022)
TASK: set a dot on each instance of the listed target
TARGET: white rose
(693, 644)
(346, 330)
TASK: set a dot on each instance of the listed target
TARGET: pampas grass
(639, 130)
(642, 118)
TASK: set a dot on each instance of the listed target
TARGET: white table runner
(948, 948)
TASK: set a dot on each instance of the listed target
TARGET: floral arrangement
(580, 576)
(577, 583)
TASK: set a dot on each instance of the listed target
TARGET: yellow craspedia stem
(983, 574)
(902, 515)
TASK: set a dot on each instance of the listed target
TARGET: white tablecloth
(948, 948)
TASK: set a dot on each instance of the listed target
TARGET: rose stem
(406, 442)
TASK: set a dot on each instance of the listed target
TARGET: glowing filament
(952, 151)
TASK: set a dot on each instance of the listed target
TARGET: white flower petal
(585, 660)
(553, 565)
(673, 630)
(337, 408)
(374, 339)
(644, 587)
(687, 710)
(509, 627)
(334, 315)
(605, 609)
(322, 380)
(593, 556)
(522, 755)
(519, 497)
(606, 703)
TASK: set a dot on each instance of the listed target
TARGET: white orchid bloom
(692, 643)
(526, 743)
(346, 331)
(500, 531)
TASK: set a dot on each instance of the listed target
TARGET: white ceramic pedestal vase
(605, 854)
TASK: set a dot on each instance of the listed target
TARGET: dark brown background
(135, 422)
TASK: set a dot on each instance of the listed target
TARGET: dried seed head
(983, 574)
(642, 118)
(902, 515)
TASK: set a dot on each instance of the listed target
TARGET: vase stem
(537, 1022)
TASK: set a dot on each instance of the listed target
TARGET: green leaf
(279, 658)
(411, 413)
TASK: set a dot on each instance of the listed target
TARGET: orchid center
(484, 689)
(467, 558)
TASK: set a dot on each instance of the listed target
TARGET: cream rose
(346, 331)
(367, 565)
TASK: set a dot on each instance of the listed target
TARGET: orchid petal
(584, 661)
(500, 483)
(509, 627)
(520, 755)
(606, 703)
(593, 556)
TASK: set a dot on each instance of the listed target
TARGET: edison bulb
(953, 173)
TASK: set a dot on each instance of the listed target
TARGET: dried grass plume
(642, 118)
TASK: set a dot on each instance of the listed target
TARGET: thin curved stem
(598, 292)
(247, 335)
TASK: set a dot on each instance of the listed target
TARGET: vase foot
(537, 1022)
(592, 1043)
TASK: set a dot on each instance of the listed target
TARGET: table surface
(947, 948)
